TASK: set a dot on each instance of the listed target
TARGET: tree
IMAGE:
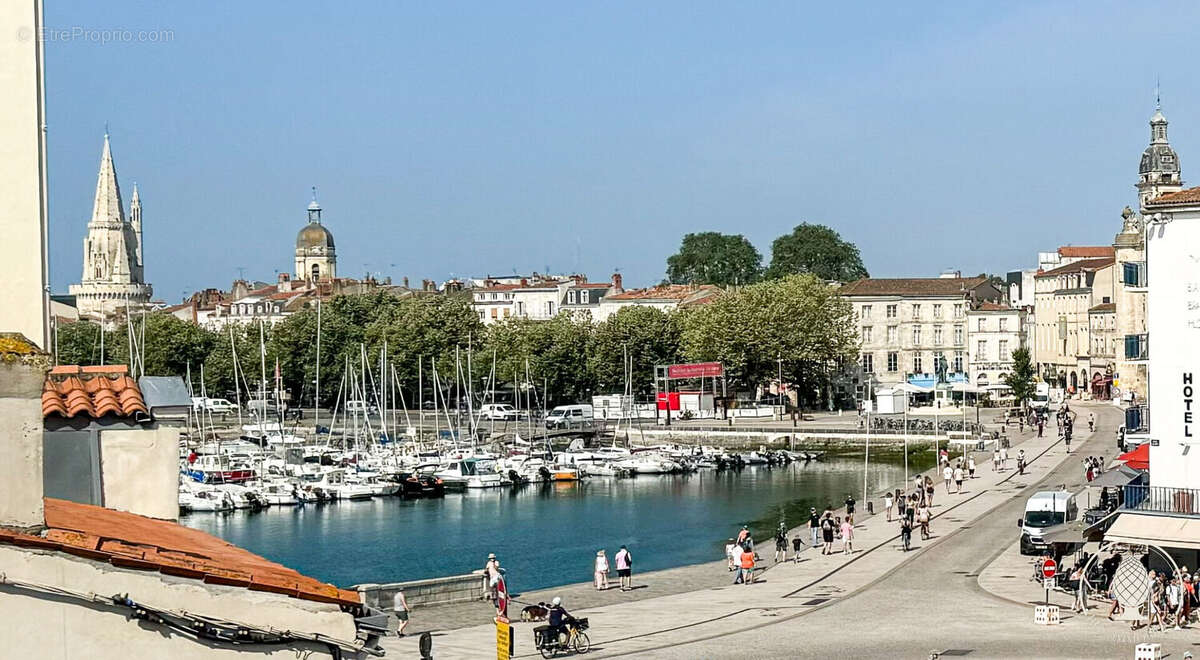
(714, 258)
(79, 343)
(1020, 381)
(649, 337)
(555, 351)
(797, 324)
(818, 250)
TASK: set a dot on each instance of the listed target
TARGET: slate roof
(70, 391)
(1078, 266)
(127, 540)
(912, 286)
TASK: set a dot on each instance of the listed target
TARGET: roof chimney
(616, 283)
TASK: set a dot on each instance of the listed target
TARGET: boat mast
(317, 396)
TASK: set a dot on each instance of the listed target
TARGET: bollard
(1148, 652)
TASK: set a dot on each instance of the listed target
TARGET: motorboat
(472, 473)
(195, 497)
(217, 469)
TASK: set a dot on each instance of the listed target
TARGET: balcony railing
(1137, 347)
(1163, 499)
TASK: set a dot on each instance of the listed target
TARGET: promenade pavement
(652, 625)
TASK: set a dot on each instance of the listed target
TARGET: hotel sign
(696, 370)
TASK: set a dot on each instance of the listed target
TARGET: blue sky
(472, 138)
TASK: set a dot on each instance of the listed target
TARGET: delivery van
(1045, 509)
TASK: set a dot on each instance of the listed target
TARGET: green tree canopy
(798, 319)
(556, 352)
(647, 335)
(714, 258)
(1020, 381)
(818, 250)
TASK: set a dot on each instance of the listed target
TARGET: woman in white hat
(601, 570)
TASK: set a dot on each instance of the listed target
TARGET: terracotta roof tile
(1186, 196)
(664, 292)
(94, 391)
(912, 286)
(132, 541)
(1087, 251)
(1078, 266)
(993, 307)
(1104, 307)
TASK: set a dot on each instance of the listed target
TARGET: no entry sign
(1048, 568)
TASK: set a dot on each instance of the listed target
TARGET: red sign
(1048, 569)
(697, 370)
(668, 401)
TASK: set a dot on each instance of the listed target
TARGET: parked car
(360, 408)
(499, 412)
(566, 417)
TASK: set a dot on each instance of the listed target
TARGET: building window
(917, 311)
(958, 362)
(1003, 343)
(549, 308)
(937, 335)
(1003, 324)
(570, 297)
(866, 312)
(937, 311)
(958, 311)
(495, 312)
(893, 362)
(981, 324)
(866, 334)
(916, 335)
(583, 297)
(917, 364)
(892, 333)
(481, 315)
(981, 350)
(868, 363)
(507, 311)
(520, 308)
(958, 335)
(891, 311)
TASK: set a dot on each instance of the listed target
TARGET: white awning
(1163, 531)
(966, 387)
(912, 389)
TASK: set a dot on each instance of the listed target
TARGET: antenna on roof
(314, 191)
(105, 128)
(1157, 95)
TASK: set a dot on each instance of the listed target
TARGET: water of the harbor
(548, 535)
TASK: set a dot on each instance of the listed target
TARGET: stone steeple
(1158, 172)
(113, 276)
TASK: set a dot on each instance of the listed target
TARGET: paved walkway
(635, 626)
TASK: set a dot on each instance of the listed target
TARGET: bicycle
(550, 646)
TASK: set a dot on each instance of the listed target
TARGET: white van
(498, 411)
(1041, 396)
(565, 417)
(359, 407)
(1042, 510)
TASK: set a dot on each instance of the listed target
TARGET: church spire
(107, 209)
(1158, 172)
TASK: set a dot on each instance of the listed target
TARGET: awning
(1162, 531)
(1118, 477)
(965, 387)
(912, 389)
(1071, 532)
(1138, 459)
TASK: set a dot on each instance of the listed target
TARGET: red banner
(697, 370)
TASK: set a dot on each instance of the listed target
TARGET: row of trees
(729, 259)
(796, 324)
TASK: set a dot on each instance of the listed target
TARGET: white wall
(140, 470)
(34, 626)
(22, 164)
(21, 378)
(1173, 321)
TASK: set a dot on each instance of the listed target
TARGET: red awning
(1138, 459)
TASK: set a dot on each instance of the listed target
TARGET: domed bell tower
(1158, 172)
(316, 257)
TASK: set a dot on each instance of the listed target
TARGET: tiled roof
(70, 391)
(993, 307)
(1086, 251)
(1078, 266)
(592, 285)
(1104, 307)
(128, 540)
(912, 286)
(1187, 196)
(663, 292)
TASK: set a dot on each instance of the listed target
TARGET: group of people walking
(624, 565)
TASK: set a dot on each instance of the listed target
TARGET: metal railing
(1163, 499)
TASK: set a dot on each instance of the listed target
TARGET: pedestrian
(958, 478)
(850, 507)
(1092, 422)
(781, 543)
(928, 492)
(919, 483)
(797, 546)
(971, 466)
(847, 537)
(1021, 461)
(401, 609)
(731, 551)
(741, 537)
(1021, 423)
(947, 476)
(827, 531)
(923, 518)
(888, 501)
(995, 458)
(736, 554)
(1077, 576)
(491, 575)
(625, 568)
(905, 533)
(747, 567)
(601, 570)
(1041, 425)
(1003, 458)
(814, 526)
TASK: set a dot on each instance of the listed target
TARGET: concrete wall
(435, 591)
(140, 470)
(21, 377)
(22, 168)
(42, 626)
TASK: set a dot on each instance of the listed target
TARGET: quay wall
(778, 439)
(434, 591)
